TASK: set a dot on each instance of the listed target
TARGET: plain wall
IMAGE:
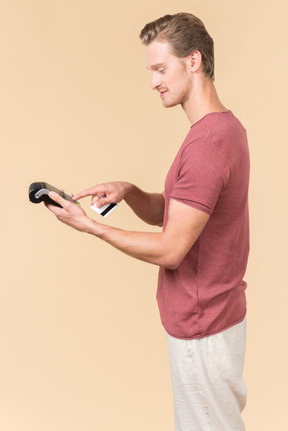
(82, 346)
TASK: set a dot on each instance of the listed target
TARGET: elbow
(157, 221)
(172, 262)
(170, 267)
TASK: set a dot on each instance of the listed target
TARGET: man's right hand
(114, 192)
(147, 206)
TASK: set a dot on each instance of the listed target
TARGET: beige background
(82, 347)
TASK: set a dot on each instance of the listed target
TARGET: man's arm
(149, 207)
(167, 248)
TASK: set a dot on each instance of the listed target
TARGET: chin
(169, 104)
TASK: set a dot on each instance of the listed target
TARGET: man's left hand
(70, 213)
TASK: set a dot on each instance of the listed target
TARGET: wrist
(94, 228)
(130, 190)
(90, 226)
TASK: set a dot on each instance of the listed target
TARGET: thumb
(103, 201)
(57, 198)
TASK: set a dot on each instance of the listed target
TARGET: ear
(194, 61)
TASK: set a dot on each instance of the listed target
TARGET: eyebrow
(156, 66)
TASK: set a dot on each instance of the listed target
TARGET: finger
(89, 192)
(103, 201)
(57, 198)
(95, 199)
(53, 208)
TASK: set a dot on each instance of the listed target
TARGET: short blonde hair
(185, 33)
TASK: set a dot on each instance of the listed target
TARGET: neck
(202, 100)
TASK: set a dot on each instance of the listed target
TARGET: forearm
(151, 247)
(147, 206)
(167, 248)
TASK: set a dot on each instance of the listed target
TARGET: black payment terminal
(38, 192)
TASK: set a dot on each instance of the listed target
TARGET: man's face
(170, 75)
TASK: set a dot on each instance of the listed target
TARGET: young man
(203, 248)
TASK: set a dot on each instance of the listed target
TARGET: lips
(162, 93)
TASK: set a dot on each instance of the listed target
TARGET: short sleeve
(203, 172)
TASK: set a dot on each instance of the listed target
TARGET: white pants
(206, 374)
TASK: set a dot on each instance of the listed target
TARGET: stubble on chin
(170, 103)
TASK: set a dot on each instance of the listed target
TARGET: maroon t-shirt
(206, 293)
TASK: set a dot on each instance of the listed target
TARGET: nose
(156, 81)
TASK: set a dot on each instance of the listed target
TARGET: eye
(161, 70)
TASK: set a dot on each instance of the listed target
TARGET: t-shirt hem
(208, 334)
(196, 205)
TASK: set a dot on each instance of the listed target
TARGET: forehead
(158, 54)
